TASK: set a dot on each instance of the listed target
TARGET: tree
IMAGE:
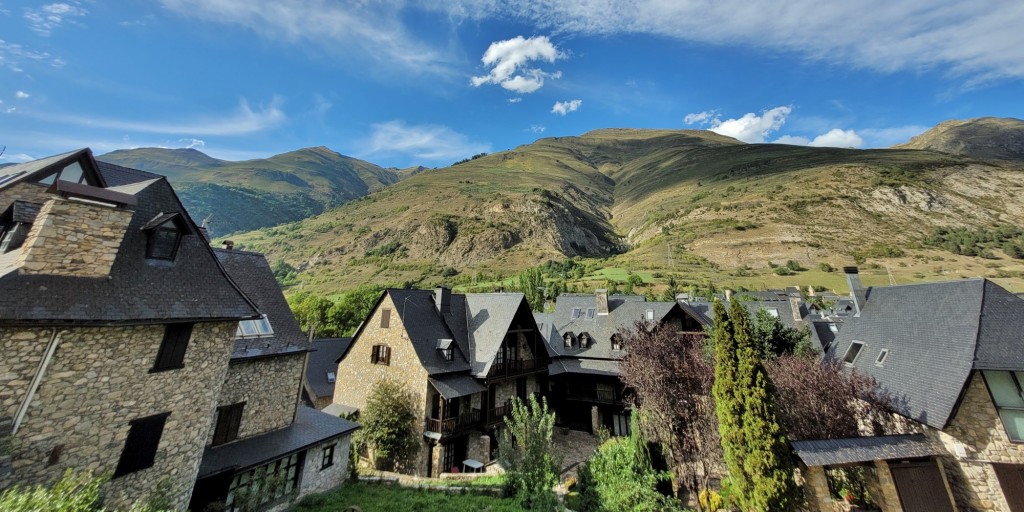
(773, 338)
(346, 314)
(672, 380)
(619, 477)
(526, 452)
(753, 437)
(531, 283)
(311, 311)
(389, 425)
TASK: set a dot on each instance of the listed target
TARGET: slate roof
(24, 211)
(18, 172)
(323, 359)
(118, 176)
(827, 452)
(454, 386)
(192, 288)
(252, 274)
(623, 312)
(425, 326)
(584, 366)
(488, 317)
(936, 334)
(770, 300)
(311, 427)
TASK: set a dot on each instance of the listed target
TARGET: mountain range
(689, 204)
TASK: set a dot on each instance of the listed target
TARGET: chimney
(683, 298)
(856, 289)
(71, 237)
(228, 244)
(443, 299)
(810, 291)
(728, 295)
(601, 295)
(794, 304)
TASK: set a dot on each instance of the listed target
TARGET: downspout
(37, 379)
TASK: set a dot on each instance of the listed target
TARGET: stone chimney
(601, 295)
(75, 238)
(443, 299)
(728, 295)
(228, 244)
(810, 291)
(683, 298)
(856, 289)
(794, 304)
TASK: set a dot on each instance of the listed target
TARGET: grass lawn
(381, 497)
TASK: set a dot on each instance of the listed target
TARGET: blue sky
(401, 83)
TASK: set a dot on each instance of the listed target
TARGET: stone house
(321, 373)
(583, 335)
(261, 426)
(464, 357)
(117, 327)
(952, 355)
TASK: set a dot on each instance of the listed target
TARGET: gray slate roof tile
(322, 359)
(826, 452)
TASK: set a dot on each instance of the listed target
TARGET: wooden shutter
(140, 446)
(229, 419)
(375, 355)
(172, 349)
(387, 355)
(385, 318)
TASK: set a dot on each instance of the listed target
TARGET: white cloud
(537, 128)
(793, 140)
(21, 95)
(517, 99)
(837, 138)
(194, 143)
(564, 107)
(14, 57)
(509, 59)
(46, 19)
(701, 118)
(752, 127)
(374, 30)
(979, 40)
(245, 120)
(430, 143)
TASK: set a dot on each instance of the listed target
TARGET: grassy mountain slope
(986, 138)
(692, 205)
(251, 194)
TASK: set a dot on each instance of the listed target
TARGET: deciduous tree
(526, 451)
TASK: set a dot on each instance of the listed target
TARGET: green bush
(389, 425)
(527, 454)
(825, 267)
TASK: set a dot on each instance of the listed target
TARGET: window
(1007, 390)
(576, 313)
(590, 313)
(141, 444)
(282, 474)
(853, 352)
(162, 243)
(254, 328)
(774, 312)
(649, 315)
(834, 328)
(381, 355)
(385, 318)
(332, 376)
(881, 356)
(172, 349)
(444, 347)
(328, 459)
(229, 418)
(567, 338)
(616, 342)
(584, 340)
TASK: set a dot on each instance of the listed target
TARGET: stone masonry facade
(404, 367)
(315, 478)
(268, 386)
(98, 380)
(73, 239)
(978, 427)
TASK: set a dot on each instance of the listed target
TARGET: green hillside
(988, 138)
(686, 206)
(250, 194)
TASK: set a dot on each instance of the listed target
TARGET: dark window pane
(229, 419)
(172, 350)
(140, 446)
(163, 243)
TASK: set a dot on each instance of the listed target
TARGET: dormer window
(649, 315)
(616, 342)
(332, 377)
(584, 340)
(163, 235)
(444, 347)
(567, 338)
(257, 328)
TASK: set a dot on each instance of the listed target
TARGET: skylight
(254, 328)
(853, 352)
(576, 313)
(331, 376)
(773, 312)
(881, 356)
(590, 313)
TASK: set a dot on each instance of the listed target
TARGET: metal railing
(516, 367)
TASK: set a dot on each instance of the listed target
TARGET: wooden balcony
(497, 414)
(516, 368)
(602, 396)
(456, 424)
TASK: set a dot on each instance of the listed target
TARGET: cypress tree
(729, 400)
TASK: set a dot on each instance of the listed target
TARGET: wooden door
(1011, 479)
(921, 487)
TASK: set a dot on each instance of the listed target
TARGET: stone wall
(357, 375)
(315, 479)
(269, 388)
(980, 431)
(24, 191)
(70, 238)
(98, 380)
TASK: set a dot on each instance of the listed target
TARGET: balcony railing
(606, 396)
(454, 424)
(516, 367)
(497, 414)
